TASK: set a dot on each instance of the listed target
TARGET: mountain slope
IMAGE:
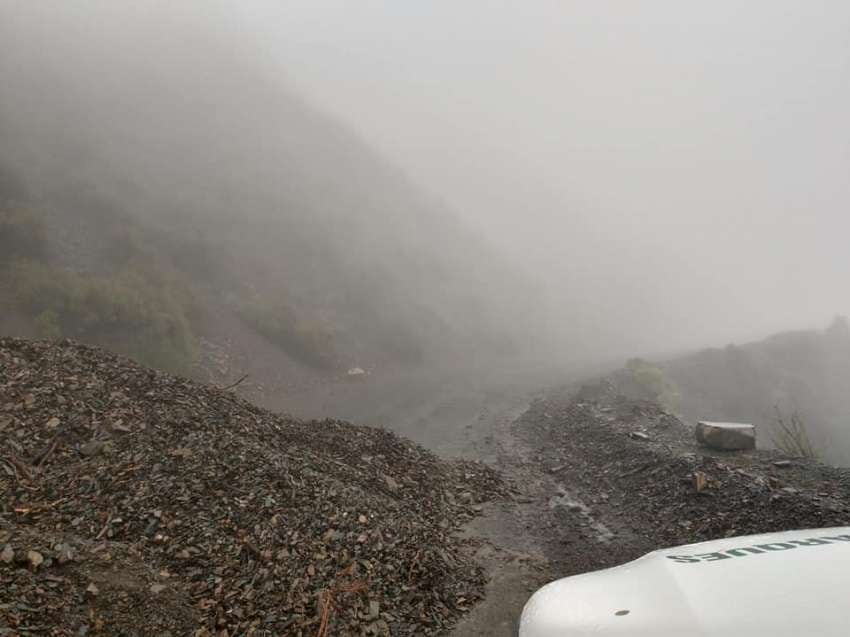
(193, 157)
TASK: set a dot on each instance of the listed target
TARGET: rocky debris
(726, 436)
(161, 506)
(35, 558)
(667, 490)
(700, 481)
(356, 374)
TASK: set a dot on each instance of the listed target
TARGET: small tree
(791, 436)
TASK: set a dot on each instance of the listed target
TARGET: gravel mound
(638, 469)
(137, 503)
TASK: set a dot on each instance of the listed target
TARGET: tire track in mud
(542, 533)
(508, 544)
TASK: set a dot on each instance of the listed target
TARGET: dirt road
(474, 416)
(597, 481)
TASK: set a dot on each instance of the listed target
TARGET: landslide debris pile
(639, 468)
(137, 503)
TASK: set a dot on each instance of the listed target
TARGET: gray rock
(64, 553)
(392, 485)
(35, 558)
(726, 436)
(357, 374)
(92, 448)
(374, 608)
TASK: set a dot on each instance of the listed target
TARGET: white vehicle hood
(789, 584)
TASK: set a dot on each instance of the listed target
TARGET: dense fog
(582, 179)
(674, 172)
(172, 116)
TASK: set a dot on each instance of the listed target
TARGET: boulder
(726, 436)
(357, 373)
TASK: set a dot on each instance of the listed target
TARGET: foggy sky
(675, 172)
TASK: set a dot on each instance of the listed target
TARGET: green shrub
(144, 313)
(654, 381)
(22, 234)
(309, 342)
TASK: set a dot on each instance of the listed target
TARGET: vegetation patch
(140, 311)
(791, 436)
(653, 379)
(309, 341)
